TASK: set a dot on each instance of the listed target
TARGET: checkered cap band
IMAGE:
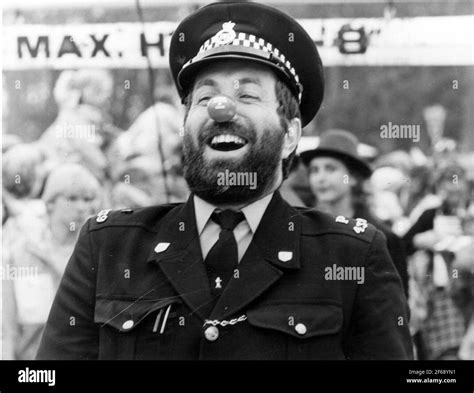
(252, 42)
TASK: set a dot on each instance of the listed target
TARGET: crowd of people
(83, 164)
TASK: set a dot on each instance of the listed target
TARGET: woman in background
(436, 241)
(336, 176)
(35, 259)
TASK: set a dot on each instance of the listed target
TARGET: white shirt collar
(253, 212)
(203, 211)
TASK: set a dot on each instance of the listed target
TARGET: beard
(262, 159)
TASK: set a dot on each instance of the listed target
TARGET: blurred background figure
(337, 177)
(139, 182)
(71, 194)
(463, 288)
(83, 130)
(125, 196)
(145, 160)
(397, 159)
(420, 196)
(297, 180)
(23, 174)
(438, 241)
(159, 124)
(388, 184)
(9, 140)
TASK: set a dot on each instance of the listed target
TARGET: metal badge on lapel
(160, 247)
(285, 256)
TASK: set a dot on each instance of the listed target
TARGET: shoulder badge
(360, 225)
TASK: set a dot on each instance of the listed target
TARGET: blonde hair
(69, 176)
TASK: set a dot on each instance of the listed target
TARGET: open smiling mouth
(226, 142)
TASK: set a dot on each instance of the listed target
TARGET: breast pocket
(136, 329)
(310, 331)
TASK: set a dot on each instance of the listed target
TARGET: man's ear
(352, 180)
(292, 137)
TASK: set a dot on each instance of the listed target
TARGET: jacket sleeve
(397, 251)
(379, 322)
(70, 332)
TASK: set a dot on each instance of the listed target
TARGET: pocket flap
(298, 320)
(125, 315)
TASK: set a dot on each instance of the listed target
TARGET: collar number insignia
(342, 220)
(103, 215)
(160, 247)
(285, 256)
(226, 35)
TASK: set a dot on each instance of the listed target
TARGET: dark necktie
(222, 259)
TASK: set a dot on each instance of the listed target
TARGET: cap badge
(226, 35)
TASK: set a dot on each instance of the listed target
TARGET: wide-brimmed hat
(342, 145)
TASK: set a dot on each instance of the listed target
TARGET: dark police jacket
(119, 285)
(395, 245)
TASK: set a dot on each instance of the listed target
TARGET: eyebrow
(255, 81)
(205, 82)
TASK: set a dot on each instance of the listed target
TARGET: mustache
(231, 128)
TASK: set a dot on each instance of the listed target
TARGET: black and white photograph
(232, 183)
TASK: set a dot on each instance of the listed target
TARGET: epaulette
(146, 217)
(318, 223)
(109, 215)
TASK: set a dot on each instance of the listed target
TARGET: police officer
(235, 272)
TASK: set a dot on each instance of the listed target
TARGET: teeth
(226, 138)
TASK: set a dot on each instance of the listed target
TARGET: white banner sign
(365, 42)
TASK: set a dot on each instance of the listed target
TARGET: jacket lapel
(178, 253)
(275, 248)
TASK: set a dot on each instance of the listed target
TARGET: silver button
(127, 324)
(301, 328)
(211, 333)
